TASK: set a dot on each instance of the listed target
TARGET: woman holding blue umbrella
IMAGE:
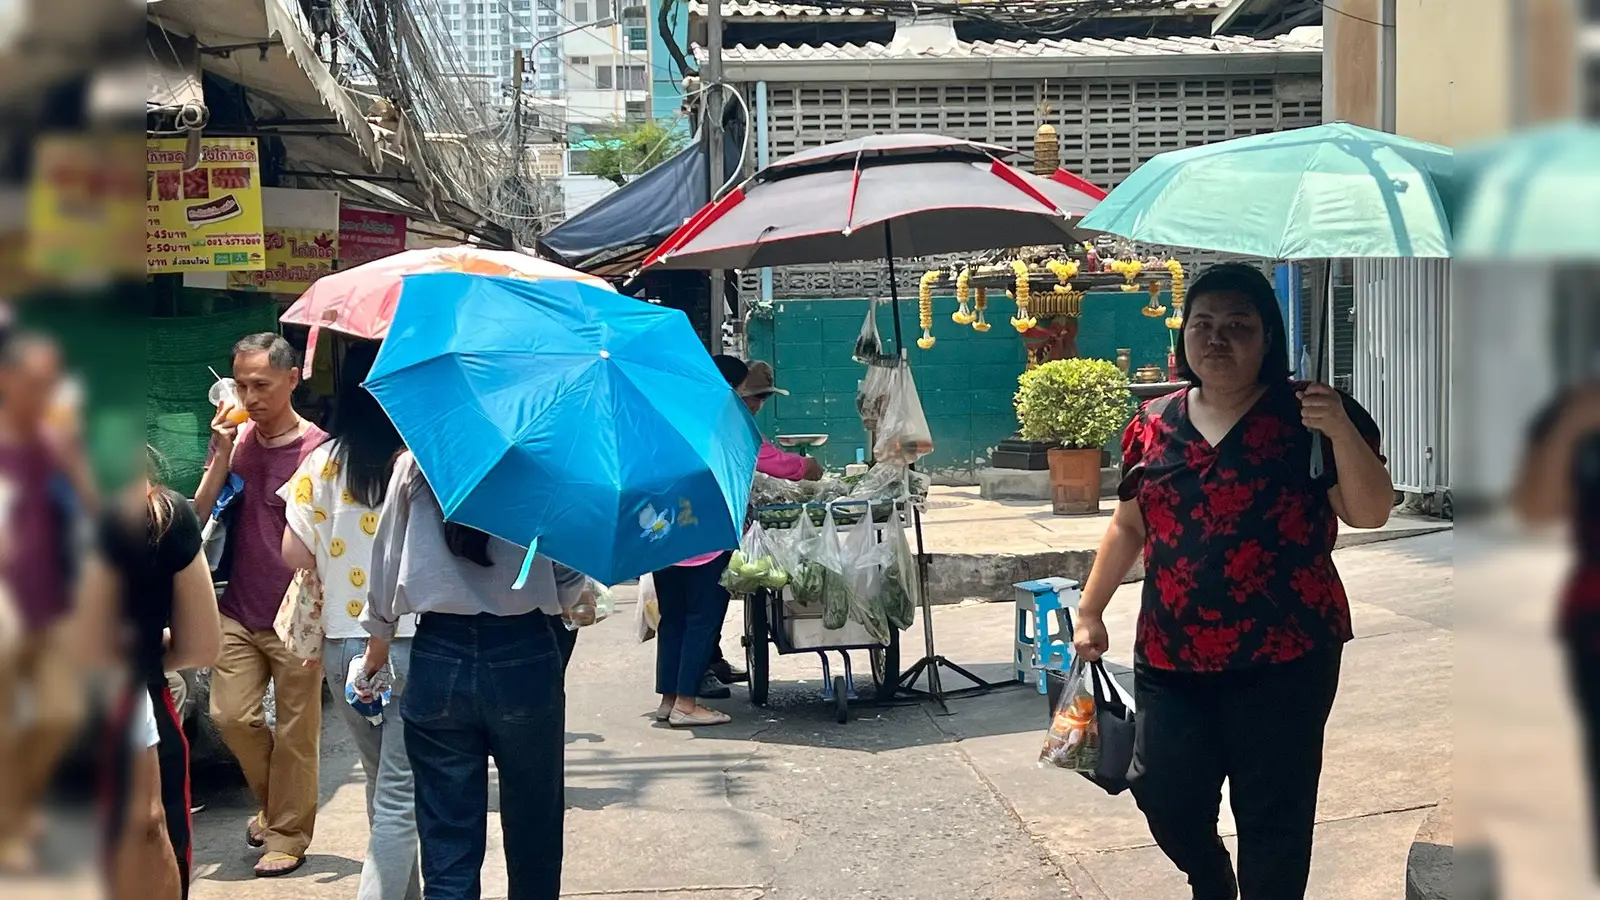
(486, 680)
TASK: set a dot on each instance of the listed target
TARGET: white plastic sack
(647, 612)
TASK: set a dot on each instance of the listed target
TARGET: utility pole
(711, 85)
(516, 112)
(1388, 95)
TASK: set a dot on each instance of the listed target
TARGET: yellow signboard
(295, 258)
(83, 206)
(208, 218)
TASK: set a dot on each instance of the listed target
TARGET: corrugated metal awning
(262, 45)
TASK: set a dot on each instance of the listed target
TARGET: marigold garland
(925, 308)
(1022, 322)
(979, 305)
(963, 314)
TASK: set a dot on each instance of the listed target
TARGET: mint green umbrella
(1328, 191)
(1534, 195)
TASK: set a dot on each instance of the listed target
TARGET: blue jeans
(389, 871)
(487, 686)
(693, 606)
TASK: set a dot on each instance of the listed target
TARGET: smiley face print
(336, 548)
(358, 577)
(369, 523)
(302, 490)
(353, 608)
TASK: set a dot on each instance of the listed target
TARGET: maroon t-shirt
(32, 564)
(259, 577)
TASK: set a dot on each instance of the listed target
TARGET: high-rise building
(607, 67)
(485, 35)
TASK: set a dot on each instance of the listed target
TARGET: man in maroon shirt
(43, 479)
(281, 767)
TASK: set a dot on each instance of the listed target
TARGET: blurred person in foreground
(280, 765)
(333, 502)
(45, 486)
(1243, 618)
(487, 680)
(1560, 484)
(148, 608)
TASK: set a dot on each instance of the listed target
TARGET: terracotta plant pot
(1075, 482)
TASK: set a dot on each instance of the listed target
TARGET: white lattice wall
(1107, 128)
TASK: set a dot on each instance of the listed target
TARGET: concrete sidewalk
(980, 547)
(903, 803)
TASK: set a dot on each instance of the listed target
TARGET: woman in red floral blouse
(1243, 618)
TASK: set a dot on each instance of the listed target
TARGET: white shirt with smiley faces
(339, 530)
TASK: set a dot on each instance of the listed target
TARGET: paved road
(903, 804)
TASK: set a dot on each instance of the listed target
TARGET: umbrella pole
(1318, 368)
(931, 662)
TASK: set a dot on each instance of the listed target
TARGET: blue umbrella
(587, 426)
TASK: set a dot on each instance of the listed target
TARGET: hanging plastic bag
(902, 435)
(869, 345)
(901, 587)
(647, 613)
(754, 566)
(836, 598)
(1073, 741)
(864, 561)
(872, 394)
(806, 573)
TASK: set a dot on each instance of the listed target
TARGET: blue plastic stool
(1039, 646)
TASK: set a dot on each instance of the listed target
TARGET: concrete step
(988, 577)
(1430, 865)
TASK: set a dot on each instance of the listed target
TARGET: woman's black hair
(733, 369)
(365, 441)
(467, 543)
(1248, 282)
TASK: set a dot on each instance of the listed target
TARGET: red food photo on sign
(233, 178)
(167, 183)
(197, 184)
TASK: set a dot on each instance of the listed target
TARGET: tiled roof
(1301, 40)
(761, 8)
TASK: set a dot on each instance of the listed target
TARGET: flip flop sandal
(690, 720)
(278, 857)
(255, 832)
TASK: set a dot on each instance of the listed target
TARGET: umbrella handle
(1317, 467)
(527, 566)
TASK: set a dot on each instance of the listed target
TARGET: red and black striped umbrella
(909, 194)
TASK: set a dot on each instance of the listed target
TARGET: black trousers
(1260, 729)
(1583, 673)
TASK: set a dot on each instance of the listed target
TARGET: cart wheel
(841, 700)
(886, 667)
(755, 644)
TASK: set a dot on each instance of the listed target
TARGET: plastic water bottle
(371, 710)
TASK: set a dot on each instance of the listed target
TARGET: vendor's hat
(759, 382)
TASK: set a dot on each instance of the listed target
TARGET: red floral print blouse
(1238, 537)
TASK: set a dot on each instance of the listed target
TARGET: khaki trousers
(41, 708)
(281, 768)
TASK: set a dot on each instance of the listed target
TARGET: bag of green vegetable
(752, 566)
(864, 559)
(836, 598)
(900, 585)
(805, 574)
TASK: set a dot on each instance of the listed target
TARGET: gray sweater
(413, 570)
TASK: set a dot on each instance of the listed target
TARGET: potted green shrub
(1077, 406)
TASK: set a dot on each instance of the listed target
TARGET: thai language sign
(365, 235)
(295, 258)
(208, 218)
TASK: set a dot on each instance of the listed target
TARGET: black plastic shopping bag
(1114, 726)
